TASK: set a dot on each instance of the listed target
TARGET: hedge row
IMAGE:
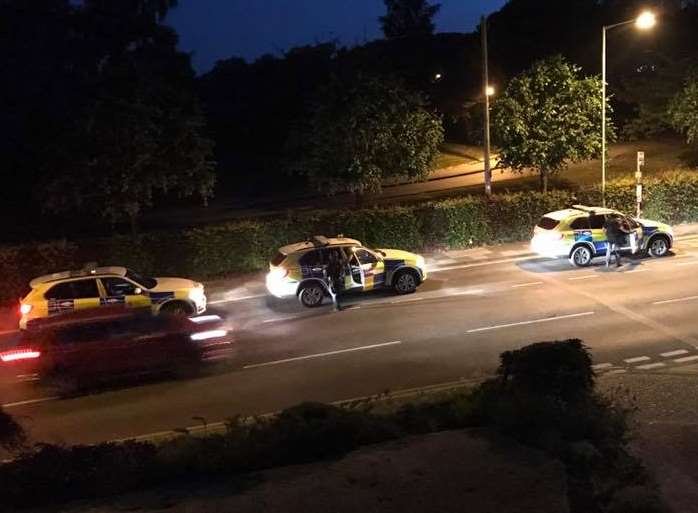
(245, 246)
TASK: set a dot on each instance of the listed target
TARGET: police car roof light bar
(584, 208)
(321, 240)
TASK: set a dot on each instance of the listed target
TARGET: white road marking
(585, 277)
(637, 359)
(529, 284)
(236, 299)
(643, 270)
(616, 371)
(651, 366)
(695, 262)
(686, 359)
(410, 300)
(29, 402)
(280, 319)
(321, 355)
(535, 321)
(205, 318)
(480, 264)
(600, 366)
(674, 353)
(677, 300)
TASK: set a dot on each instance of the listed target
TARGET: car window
(145, 281)
(80, 289)
(548, 223)
(581, 223)
(365, 257)
(311, 259)
(118, 287)
(597, 221)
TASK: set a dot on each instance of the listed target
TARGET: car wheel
(659, 247)
(581, 256)
(176, 308)
(405, 282)
(311, 296)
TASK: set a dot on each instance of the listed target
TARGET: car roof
(81, 273)
(318, 241)
(578, 211)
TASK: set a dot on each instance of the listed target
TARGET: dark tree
(366, 131)
(408, 18)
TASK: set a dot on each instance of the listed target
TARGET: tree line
(104, 118)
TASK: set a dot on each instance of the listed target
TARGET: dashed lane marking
(529, 284)
(688, 263)
(617, 371)
(480, 264)
(637, 271)
(669, 354)
(410, 300)
(236, 299)
(534, 321)
(677, 300)
(686, 359)
(650, 366)
(585, 277)
(29, 402)
(637, 359)
(321, 355)
(601, 366)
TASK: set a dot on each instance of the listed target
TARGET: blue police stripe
(112, 300)
(59, 306)
(160, 297)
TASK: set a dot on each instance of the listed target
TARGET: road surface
(639, 318)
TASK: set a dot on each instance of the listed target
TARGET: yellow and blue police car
(94, 287)
(300, 270)
(578, 233)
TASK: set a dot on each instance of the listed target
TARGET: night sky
(218, 29)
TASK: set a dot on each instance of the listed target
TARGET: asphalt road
(639, 318)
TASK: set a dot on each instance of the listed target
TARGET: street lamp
(488, 91)
(645, 21)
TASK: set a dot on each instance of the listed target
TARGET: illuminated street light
(437, 76)
(489, 90)
(644, 21)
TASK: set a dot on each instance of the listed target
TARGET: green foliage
(547, 117)
(245, 246)
(684, 111)
(364, 131)
(408, 18)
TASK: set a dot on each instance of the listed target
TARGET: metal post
(603, 117)
(485, 88)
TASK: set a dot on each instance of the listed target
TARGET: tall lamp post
(645, 21)
(487, 91)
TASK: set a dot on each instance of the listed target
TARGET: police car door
(372, 268)
(119, 291)
(68, 296)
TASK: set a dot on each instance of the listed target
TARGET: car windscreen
(547, 223)
(145, 281)
(278, 259)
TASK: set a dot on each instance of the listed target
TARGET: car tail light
(19, 354)
(24, 309)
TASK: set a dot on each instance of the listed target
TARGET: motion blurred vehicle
(300, 270)
(99, 345)
(578, 234)
(99, 287)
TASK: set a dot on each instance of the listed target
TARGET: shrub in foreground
(12, 435)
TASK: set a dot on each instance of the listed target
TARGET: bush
(245, 246)
(12, 435)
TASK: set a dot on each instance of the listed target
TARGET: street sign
(640, 158)
(638, 182)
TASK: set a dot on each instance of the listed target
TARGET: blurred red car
(87, 346)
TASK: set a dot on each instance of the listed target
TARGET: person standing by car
(615, 237)
(335, 276)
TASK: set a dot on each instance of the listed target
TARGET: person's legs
(617, 251)
(608, 253)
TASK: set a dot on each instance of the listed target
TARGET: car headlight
(421, 262)
(197, 294)
(277, 274)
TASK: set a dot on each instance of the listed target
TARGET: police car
(94, 287)
(300, 270)
(578, 233)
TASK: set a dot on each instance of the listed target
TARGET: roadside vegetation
(245, 246)
(542, 395)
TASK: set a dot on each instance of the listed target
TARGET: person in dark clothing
(616, 234)
(336, 265)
